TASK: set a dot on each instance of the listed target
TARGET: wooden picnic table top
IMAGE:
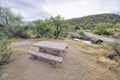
(51, 45)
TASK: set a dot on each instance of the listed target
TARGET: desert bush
(96, 31)
(2, 35)
(15, 32)
(29, 33)
(100, 28)
(41, 29)
(109, 31)
(59, 25)
(118, 25)
(5, 51)
(54, 27)
(12, 24)
(77, 27)
(81, 32)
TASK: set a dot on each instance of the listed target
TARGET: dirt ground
(77, 65)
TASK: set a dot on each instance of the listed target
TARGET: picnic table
(58, 47)
(43, 45)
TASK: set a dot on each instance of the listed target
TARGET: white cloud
(36, 9)
(78, 8)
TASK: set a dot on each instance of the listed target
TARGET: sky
(43, 9)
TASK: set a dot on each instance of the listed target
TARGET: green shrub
(100, 28)
(5, 51)
(118, 25)
(110, 31)
(29, 33)
(2, 35)
(81, 32)
(15, 32)
(96, 31)
(41, 29)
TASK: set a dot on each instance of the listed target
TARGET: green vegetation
(81, 32)
(55, 27)
(100, 28)
(41, 29)
(60, 27)
(5, 51)
(118, 25)
(110, 31)
(89, 22)
(11, 25)
(103, 28)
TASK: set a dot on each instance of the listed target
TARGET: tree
(41, 29)
(59, 25)
(77, 28)
(11, 24)
(7, 17)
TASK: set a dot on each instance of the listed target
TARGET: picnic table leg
(42, 50)
(33, 57)
(58, 53)
(54, 64)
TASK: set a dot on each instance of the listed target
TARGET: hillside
(89, 22)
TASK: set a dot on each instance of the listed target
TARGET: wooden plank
(46, 56)
(51, 45)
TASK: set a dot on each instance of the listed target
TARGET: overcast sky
(42, 9)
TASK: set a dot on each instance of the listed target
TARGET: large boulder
(117, 35)
(76, 35)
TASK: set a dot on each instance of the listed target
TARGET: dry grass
(92, 49)
(107, 62)
(98, 53)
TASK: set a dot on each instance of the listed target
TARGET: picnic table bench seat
(53, 58)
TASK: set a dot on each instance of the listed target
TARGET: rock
(117, 58)
(78, 31)
(95, 37)
(117, 35)
(84, 41)
(87, 42)
(76, 35)
(77, 40)
(4, 75)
